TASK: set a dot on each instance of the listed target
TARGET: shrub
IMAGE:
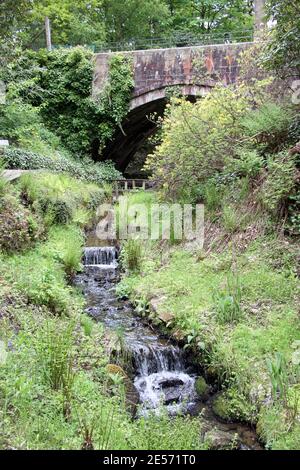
(56, 88)
(18, 227)
(21, 124)
(59, 198)
(280, 182)
(247, 163)
(83, 170)
(268, 126)
(195, 139)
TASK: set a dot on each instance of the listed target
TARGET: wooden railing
(121, 186)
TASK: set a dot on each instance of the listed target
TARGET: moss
(221, 407)
(202, 388)
(232, 405)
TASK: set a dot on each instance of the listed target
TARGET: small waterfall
(150, 359)
(101, 256)
(161, 379)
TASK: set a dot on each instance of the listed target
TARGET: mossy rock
(221, 440)
(202, 388)
(232, 405)
(221, 407)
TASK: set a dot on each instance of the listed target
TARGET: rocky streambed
(163, 378)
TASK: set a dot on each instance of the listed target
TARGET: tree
(72, 23)
(211, 15)
(11, 15)
(283, 51)
(129, 19)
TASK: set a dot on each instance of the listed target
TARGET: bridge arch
(138, 126)
(156, 71)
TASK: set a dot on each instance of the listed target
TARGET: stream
(162, 373)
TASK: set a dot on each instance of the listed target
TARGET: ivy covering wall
(56, 88)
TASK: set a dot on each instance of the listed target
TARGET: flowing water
(163, 376)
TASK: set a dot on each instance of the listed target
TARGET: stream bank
(163, 375)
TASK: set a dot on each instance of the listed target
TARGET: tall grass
(132, 255)
(55, 355)
(228, 301)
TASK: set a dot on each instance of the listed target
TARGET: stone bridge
(191, 70)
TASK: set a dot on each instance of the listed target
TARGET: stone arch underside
(138, 125)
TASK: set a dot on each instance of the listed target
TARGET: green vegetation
(233, 151)
(122, 21)
(55, 387)
(49, 100)
(233, 302)
(235, 348)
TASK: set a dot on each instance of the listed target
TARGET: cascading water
(101, 256)
(162, 378)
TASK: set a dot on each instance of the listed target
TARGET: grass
(234, 338)
(40, 274)
(53, 363)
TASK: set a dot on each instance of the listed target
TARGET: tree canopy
(283, 52)
(110, 21)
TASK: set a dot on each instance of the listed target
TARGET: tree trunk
(259, 11)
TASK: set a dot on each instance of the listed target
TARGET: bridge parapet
(195, 70)
(155, 70)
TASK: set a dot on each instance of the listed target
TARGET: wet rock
(172, 390)
(202, 389)
(171, 383)
(221, 407)
(221, 440)
(155, 304)
(132, 396)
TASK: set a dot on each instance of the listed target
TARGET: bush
(18, 227)
(268, 126)
(248, 163)
(58, 198)
(195, 141)
(21, 124)
(16, 158)
(280, 182)
(55, 90)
